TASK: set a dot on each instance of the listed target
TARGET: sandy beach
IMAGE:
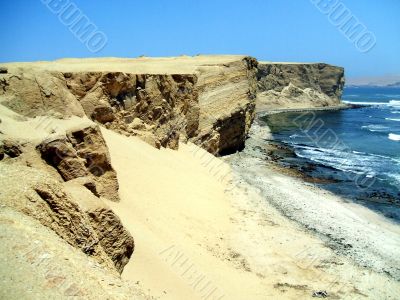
(203, 232)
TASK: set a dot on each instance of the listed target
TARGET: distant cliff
(298, 85)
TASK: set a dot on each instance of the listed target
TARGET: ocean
(354, 152)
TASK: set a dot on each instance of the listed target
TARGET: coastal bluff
(298, 85)
(81, 138)
(56, 172)
(209, 100)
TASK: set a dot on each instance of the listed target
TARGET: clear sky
(274, 30)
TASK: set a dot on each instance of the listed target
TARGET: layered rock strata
(208, 100)
(298, 85)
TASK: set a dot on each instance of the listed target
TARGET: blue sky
(275, 30)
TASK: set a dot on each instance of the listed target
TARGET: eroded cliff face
(82, 153)
(227, 96)
(60, 174)
(55, 166)
(211, 102)
(297, 85)
(157, 108)
(38, 195)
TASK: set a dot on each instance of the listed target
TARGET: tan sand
(142, 65)
(197, 237)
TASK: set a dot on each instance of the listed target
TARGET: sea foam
(394, 137)
(395, 103)
(391, 103)
(376, 128)
(367, 103)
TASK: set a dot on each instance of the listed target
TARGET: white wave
(390, 103)
(396, 177)
(391, 119)
(395, 103)
(357, 163)
(357, 152)
(293, 136)
(366, 103)
(394, 137)
(375, 128)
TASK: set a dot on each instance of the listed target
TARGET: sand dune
(197, 236)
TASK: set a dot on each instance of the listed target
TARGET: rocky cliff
(298, 85)
(55, 169)
(209, 100)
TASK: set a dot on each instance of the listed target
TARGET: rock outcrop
(82, 152)
(59, 175)
(31, 92)
(55, 168)
(297, 85)
(116, 241)
(208, 100)
(157, 103)
(227, 96)
(36, 194)
(9, 148)
(37, 264)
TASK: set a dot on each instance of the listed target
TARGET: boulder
(103, 114)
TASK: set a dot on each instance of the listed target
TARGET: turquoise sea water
(357, 149)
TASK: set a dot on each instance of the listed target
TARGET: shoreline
(283, 152)
(204, 217)
(283, 158)
(338, 222)
(272, 111)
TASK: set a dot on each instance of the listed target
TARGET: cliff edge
(209, 100)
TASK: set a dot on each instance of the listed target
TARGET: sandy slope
(197, 237)
(202, 232)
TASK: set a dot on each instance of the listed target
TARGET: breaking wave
(394, 137)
